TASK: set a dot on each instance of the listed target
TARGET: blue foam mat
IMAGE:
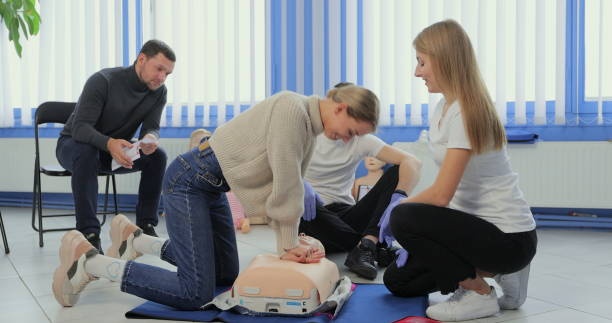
(369, 303)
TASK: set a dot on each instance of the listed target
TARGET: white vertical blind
(333, 44)
(299, 41)
(519, 45)
(318, 48)
(560, 68)
(402, 72)
(74, 41)
(351, 41)
(598, 50)
(221, 57)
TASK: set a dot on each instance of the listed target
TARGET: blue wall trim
(387, 133)
(127, 202)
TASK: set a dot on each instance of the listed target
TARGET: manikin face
(373, 163)
(343, 127)
(424, 70)
(154, 70)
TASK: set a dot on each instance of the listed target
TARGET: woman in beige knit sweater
(262, 155)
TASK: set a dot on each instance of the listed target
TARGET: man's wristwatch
(400, 192)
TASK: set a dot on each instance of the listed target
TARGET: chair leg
(34, 205)
(105, 202)
(115, 194)
(3, 232)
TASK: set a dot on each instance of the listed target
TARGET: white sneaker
(122, 234)
(70, 277)
(465, 305)
(514, 286)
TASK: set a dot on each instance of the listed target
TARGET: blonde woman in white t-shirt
(473, 221)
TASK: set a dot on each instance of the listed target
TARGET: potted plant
(19, 16)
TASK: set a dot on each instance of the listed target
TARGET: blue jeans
(202, 242)
(85, 161)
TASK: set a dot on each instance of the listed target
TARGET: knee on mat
(193, 300)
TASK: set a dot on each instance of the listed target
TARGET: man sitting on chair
(114, 103)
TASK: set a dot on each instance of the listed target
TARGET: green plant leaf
(8, 22)
(17, 47)
(30, 23)
(23, 27)
(17, 4)
(29, 5)
(14, 30)
(2, 11)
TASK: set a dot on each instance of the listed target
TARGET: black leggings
(340, 226)
(447, 246)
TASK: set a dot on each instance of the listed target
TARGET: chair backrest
(54, 112)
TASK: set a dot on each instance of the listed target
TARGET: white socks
(148, 244)
(106, 267)
(112, 268)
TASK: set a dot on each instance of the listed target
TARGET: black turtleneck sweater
(113, 104)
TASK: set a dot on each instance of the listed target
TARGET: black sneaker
(149, 230)
(94, 239)
(361, 259)
(385, 255)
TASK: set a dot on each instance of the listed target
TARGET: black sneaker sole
(362, 271)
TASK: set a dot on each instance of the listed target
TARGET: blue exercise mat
(369, 303)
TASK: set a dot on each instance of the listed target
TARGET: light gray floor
(571, 278)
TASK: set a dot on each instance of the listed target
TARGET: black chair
(6, 247)
(58, 112)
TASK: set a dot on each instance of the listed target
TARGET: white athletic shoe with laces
(514, 286)
(464, 305)
(122, 234)
(70, 278)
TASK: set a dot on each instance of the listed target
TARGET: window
(595, 95)
(76, 39)
(519, 45)
(220, 48)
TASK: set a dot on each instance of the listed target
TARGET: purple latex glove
(402, 257)
(385, 234)
(311, 199)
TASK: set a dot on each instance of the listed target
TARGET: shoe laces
(458, 295)
(366, 255)
(83, 282)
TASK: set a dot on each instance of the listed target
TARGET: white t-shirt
(331, 171)
(488, 188)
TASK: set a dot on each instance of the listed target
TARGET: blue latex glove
(385, 234)
(402, 257)
(311, 199)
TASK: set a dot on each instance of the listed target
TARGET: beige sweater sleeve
(287, 143)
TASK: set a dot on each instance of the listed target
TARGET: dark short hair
(343, 84)
(156, 46)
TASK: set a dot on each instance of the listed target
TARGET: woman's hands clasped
(310, 250)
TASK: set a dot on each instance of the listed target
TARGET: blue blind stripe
(126, 33)
(138, 26)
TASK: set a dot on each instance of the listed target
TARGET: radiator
(552, 174)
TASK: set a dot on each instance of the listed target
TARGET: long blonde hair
(363, 104)
(456, 71)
